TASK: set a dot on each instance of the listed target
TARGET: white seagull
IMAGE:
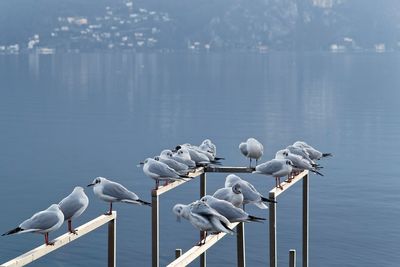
(277, 168)
(231, 194)
(110, 191)
(313, 153)
(73, 206)
(232, 213)
(166, 157)
(203, 217)
(42, 222)
(183, 156)
(250, 193)
(299, 163)
(160, 171)
(252, 149)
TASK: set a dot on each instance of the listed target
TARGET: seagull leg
(203, 235)
(46, 240)
(157, 184)
(279, 181)
(250, 162)
(110, 212)
(70, 229)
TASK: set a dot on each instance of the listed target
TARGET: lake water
(65, 119)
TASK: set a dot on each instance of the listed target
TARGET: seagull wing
(118, 191)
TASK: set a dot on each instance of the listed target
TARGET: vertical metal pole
(178, 253)
(241, 250)
(272, 231)
(203, 190)
(112, 243)
(292, 258)
(305, 220)
(155, 228)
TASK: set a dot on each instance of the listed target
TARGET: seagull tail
(142, 202)
(264, 199)
(13, 231)
(317, 172)
(317, 166)
(324, 155)
(256, 219)
(218, 158)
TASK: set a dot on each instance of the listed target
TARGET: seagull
(166, 158)
(313, 153)
(73, 206)
(202, 217)
(206, 219)
(250, 193)
(252, 149)
(183, 156)
(304, 154)
(197, 156)
(160, 171)
(299, 162)
(277, 168)
(208, 146)
(182, 210)
(42, 222)
(232, 213)
(231, 194)
(110, 191)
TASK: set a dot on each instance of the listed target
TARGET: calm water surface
(65, 119)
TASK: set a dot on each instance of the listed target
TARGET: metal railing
(200, 251)
(67, 238)
(196, 251)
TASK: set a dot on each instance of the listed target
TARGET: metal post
(203, 190)
(178, 253)
(272, 231)
(292, 258)
(155, 228)
(112, 243)
(241, 251)
(305, 220)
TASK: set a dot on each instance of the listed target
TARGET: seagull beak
(140, 164)
(90, 185)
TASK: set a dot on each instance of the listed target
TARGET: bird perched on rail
(183, 156)
(42, 222)
(111, 192)
(313, 153)
(232, 213)
(73, 206)
(166, 157)
(299, 163)
(276, 168)
(252, 149)
(160, 171)
(250, 193)
(204, 218)
(231, 194)
(303, 153)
